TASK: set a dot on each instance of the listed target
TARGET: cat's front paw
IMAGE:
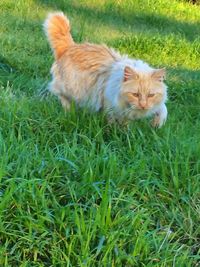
(156, 122)
(160, 117)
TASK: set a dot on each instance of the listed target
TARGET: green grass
(75, 191)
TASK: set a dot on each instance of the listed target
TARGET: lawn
(75, 191)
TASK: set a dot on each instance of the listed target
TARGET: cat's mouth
(137, 108)
(140, 109)
(143, 108)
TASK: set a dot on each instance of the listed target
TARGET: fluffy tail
(57, 29)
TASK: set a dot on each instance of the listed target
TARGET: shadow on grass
(126, 20)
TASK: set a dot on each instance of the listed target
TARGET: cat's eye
(151, 95)
(135, 94)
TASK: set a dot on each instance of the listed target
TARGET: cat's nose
(143, 105)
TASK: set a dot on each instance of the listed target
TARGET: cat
(100, 78)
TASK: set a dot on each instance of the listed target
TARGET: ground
(75, 191)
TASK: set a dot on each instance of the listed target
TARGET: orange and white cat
(100, 78)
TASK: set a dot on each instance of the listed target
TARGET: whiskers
(127, 111)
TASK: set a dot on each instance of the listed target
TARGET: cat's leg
(122, 121)
(160, 117)
(111, 119)
(65, 102)
(56, 87)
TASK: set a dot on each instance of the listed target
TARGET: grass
(75, 191)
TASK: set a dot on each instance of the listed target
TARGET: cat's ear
(129, 73)
(159, 75)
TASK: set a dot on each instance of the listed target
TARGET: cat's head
(143, 90)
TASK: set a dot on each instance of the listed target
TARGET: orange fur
(144, 90)
(57, 28)
(99, 77)
(90, 57)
